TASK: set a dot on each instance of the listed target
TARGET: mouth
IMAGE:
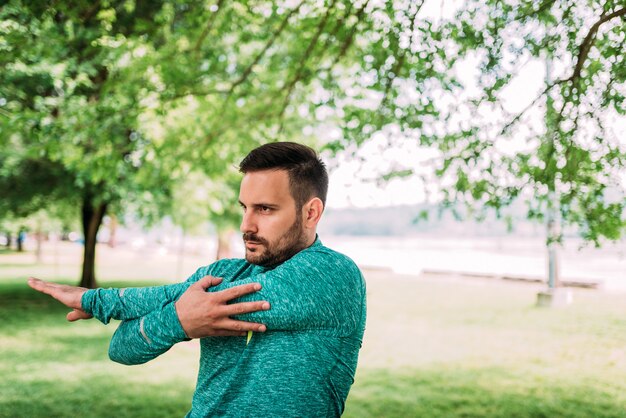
(252, 244)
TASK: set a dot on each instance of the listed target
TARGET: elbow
(115, 356)
(120, 349)
(122, 357)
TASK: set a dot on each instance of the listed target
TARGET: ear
(312, 212)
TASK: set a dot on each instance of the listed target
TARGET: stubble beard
(272, 254)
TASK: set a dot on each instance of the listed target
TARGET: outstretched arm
(202, 314)
(132, 302)
(135, 302)
(107, 304)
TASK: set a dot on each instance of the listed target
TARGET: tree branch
(208, 26)
(530, 105)
(584, 49)
(299, 72)
(542, 7)
(246, 73)
(347, 43)
(611, 81)
(338, 25)
(585, 46)
(395, 70)
(210, 92)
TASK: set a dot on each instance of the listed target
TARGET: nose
(248, 224)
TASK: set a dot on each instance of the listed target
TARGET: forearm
(129, 303)
(296, 312)
(142, 339)
(307, 296)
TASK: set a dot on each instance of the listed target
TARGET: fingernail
(262, 328)
(257, 286)
(265, 306)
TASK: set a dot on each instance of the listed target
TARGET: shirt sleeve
(133, 302)
(311, 291)
(142, 339)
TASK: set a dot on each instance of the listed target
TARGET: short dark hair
(308, 177)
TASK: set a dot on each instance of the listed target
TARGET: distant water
(498, 256)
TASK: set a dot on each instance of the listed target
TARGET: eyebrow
(257, 205)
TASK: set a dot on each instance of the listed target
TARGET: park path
(503, 257)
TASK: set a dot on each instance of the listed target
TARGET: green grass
(52, 368)
(470, 348)
(433, 348)
(481, 392)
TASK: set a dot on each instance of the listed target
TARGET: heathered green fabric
(302, 366)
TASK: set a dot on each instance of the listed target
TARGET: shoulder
(220, 268)
(322, 252)
(321, 256)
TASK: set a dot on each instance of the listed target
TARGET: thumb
(77, 314)
(208, 281)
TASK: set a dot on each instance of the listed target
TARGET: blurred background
(477, 158)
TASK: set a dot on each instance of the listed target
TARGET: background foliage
(115, 107)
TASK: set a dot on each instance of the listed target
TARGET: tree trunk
(92, 219)
(38, 240)
(112, 230)
(223, 244)
(21, 236)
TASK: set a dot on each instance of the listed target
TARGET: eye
(265, 209)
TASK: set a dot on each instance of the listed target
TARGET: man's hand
(207, 314)
(70, 296)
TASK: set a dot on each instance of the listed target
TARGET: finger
(245, 307)
(208, 281)
(67, 295)
(234, 325)
(237, 291)
(33, 281)
(37, 284)
(44, 287)
(77, 314)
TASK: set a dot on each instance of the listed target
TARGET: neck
(310, 239)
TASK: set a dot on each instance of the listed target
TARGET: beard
(270, 254)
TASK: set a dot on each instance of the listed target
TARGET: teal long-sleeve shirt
(303, 365)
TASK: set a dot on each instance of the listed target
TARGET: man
(298, 307)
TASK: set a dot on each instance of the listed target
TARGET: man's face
(272, 229)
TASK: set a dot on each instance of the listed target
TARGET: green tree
(121, 96)
(122, 100)
(561, 153)
(70, 107)
(573, 161)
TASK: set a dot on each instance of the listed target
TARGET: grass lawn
(434, 347)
